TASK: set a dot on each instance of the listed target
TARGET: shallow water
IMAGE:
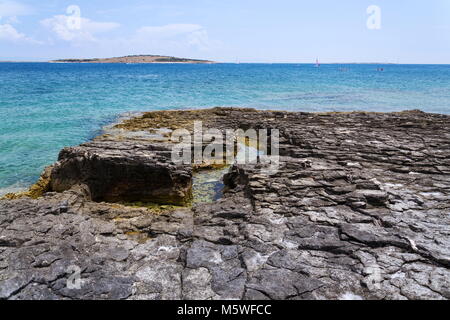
(208, 184)
(45, 107)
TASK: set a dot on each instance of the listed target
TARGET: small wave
(139, 76)
(16, 187)
(119, 119)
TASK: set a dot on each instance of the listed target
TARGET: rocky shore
(359, 209)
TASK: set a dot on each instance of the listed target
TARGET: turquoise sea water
(44, 107)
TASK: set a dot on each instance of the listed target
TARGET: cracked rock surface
(359, 209)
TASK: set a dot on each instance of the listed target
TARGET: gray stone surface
(360, 209)
(125, 171)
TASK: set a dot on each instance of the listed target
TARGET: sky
(391, 31)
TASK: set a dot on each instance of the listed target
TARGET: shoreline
(130, 115)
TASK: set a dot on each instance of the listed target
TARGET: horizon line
(248, 62)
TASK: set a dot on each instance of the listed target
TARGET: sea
(47, 106)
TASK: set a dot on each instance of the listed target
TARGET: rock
(122, 171)
(13, 285)
(118, 254)
(197, 284)
(374, 197)
(358, 209)
(282, 284)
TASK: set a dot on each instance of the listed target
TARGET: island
(135, 59)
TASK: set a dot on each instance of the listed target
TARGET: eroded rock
(357, 210)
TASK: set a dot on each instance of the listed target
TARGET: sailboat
(317, 63)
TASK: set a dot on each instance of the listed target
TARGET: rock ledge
(359, 209)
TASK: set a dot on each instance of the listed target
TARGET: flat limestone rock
(358, 209)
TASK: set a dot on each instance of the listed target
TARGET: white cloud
(179, 35)
(9, 11)
(200, 39)
(167, 31)
(10, 8)
(9, 33)
(63, 28)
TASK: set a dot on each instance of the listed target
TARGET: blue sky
(412, 31)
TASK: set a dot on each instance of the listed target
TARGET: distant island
(134, 59)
